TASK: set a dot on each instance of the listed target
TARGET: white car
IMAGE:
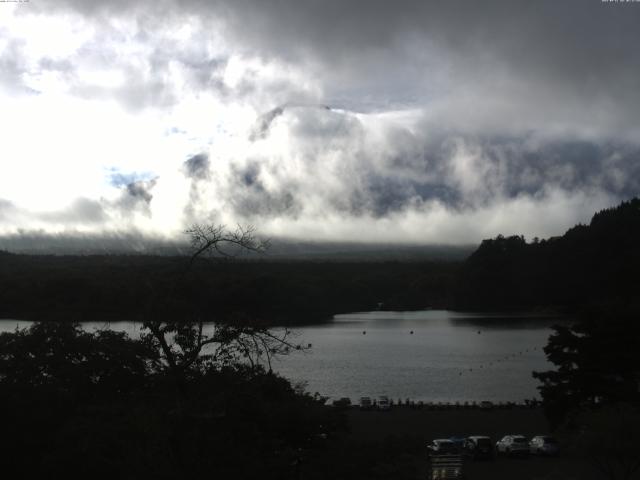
(365, 403)
(513, 445)
(544, 445)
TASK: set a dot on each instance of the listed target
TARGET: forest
(179, 403)
(590, 264)
(120, 287)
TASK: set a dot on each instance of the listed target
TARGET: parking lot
(424, 425)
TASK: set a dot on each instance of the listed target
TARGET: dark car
(443, 446)
(458, 442)
(343, 402)
(478, 447)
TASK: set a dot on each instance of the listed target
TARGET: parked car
(442, 446)
(458, 442)
(343, 402)
(478, 447)
(383, 403)
(513, 445)
(544, 445)
(365, 403)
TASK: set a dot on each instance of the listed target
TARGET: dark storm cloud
(197, 167)
(337, 166)
(470, 109)
(140, 191)
(556, 64)
(135, 198)
(252, 199)
(383, 195)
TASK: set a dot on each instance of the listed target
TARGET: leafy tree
(597, 360)
(60, 356)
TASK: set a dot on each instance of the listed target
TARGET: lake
(450, 356)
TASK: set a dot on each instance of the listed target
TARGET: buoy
(411, 332)
(364, 332)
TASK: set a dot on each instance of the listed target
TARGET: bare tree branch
(186, 347)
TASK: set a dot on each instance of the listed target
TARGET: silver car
(513, 445)
(544, 445)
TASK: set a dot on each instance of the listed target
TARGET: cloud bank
(403, 121)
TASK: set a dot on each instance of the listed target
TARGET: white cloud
(444, 126)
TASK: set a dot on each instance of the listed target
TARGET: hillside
(588, 265)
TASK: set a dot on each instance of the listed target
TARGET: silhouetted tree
(197, 340)
(597, 363)
(60, 356)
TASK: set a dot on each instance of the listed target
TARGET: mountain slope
(590, 264)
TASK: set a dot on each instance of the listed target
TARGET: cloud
(82, 211)
(314, 171)
(12, 67)
(570, 66)
(6, 209)
(335, 120)
(197, 166)
(136, 196)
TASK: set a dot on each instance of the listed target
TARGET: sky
(337, 120)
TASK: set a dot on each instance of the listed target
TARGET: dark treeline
(76, 404)
(589, 265)
(85, 288)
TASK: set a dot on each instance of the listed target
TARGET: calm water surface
(450, 356)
